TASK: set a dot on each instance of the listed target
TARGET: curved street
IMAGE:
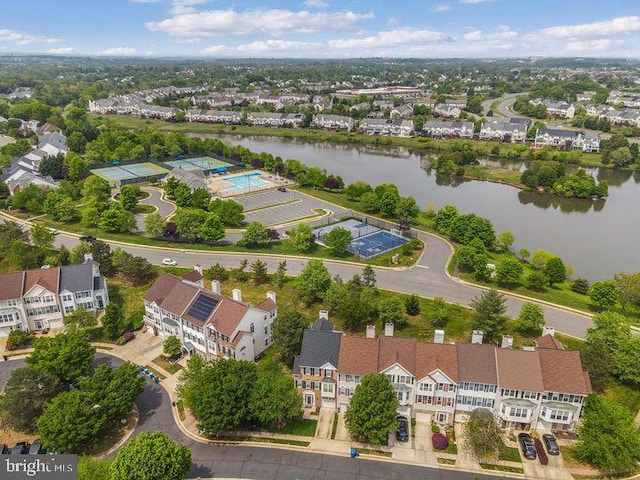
(265, 463)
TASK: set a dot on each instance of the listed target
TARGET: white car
(169, 262)
(54, 231)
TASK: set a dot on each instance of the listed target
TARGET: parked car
(402, 433)
(551, 444)
(169, 262)
(36, 447)
(282, 189)
(88, 238)
(527, 446)
(20, 448)
(55, 231)
(128, 336)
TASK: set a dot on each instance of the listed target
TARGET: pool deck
(218, 184)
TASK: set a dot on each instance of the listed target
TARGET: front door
(309, 400)
(38, 325)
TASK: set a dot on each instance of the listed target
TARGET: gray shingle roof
(320, 345)
(77, 278)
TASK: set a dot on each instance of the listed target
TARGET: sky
(322, 28)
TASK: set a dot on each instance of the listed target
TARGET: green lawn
(625, 395)
(509, 454)
(299, 426)
(501, 468)
(163, 363)
(141, 208)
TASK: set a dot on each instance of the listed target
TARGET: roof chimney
(237, 294)
(388, 329)
(323, 315)
(548, 330)
(272, 296)
(88, 256)
(438, 336)
(507, 341)
(198, 268)
(476, 336)
(371, 331)
(215, 287)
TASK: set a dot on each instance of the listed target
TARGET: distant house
(501, 131)
(567, 140)
(333, 122)
(264, 119)
(438, 129)
(40, 298)
(384, 127)
(447, 111)
(207, 322)
(556, 109)
(402, 111)
(214, 116)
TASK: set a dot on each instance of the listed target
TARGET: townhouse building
(537, 387)
(402, 111)
(207, 322)
(333, 122)
(438, 129)
(446, 110)
(264, 119)
(228, 117)
(556, 109)
(39, 299)
(386, 127)
(567, 140)
(503, 131)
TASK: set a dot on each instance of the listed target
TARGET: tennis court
(131, 173)
(205, 164)
(367, 241)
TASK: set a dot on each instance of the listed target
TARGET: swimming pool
(248, 181)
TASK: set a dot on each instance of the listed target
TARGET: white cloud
(441, 8)
(231, 23)
(181, 7)
(119, 51)
(61, 51)
(503, 33)
(11, 36)
(615, 26)
(265, 48)
(391, 38)
(315, 4)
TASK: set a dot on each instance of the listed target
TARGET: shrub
(542, 455)
(435, 429)
(16, 339)
(580, 285)
(440, 441)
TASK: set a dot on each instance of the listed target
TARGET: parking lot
(276, 208)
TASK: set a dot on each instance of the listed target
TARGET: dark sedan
(402, 433)
(527, 446)
(551, 444)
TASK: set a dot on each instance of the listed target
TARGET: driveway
(164, 207)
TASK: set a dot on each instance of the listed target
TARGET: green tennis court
(132, 173)
(199, 163)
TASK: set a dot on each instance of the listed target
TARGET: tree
(482, 434)
(212, 229)
(608, 436)
(253, 235)
(230, 212)
(445, 218)
(154, 224)
(129, 196)
(200, 198)
(151, 456)
(112, 321)
(301, 237)
(372, 410)
(391, 310)
(407, 209)
(368, 276)
(439, 312)
(217, 403)
(66, 356)
(369, 202)
(41, 237)
(313, 281)
(337, 240)
(524, 254)
(531, 319)
(189, 221)
(506, 239)
(489, 314)
(540, 258)
(628, 286)
(80, 318)
(388, 201)
(580, 285)
(30, 198)
(60, 206)
(216, 272)
(26, 393)
(259, 271)
(90, 468)
(555, 270)
(288, 329)
(537, 280)
(101, 253)
(281, 273)
(354, 191)
(116, 219)
(412, 305)
(274, 399)
(604, 294)
(509, 272)
(172, 346)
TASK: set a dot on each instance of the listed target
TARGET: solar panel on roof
(202, 307)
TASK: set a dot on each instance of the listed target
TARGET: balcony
(558, 412)
(516, 410)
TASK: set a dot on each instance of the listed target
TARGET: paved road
(266, 463)
(487, 104)
(164, 207)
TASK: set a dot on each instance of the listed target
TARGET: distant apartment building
(503, 131)
(227, 117)
(264, 119)
(439, 129)
(567, 140)
(39, 299)
(207, 322)
(386, 127)
(556, 109)
(333, 122)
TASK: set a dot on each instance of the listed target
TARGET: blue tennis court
(375, 244)
(130, 173)
(199, 163)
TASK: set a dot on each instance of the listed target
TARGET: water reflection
(565, 205)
